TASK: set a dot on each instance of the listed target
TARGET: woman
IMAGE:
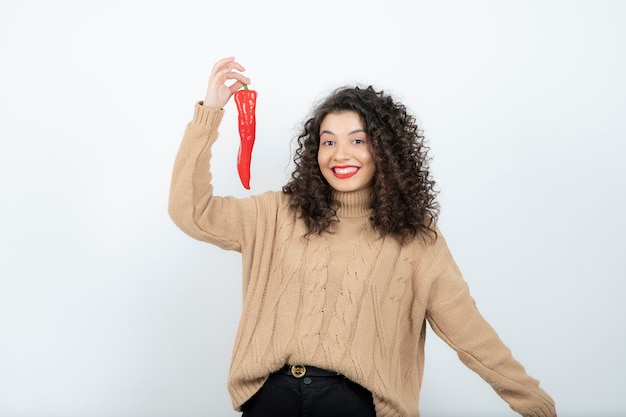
(343, 268)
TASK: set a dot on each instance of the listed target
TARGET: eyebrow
(349, 133)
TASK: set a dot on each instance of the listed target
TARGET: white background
(107, 309)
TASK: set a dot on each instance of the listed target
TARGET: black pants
(284, 395)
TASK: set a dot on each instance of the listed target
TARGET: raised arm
(225, 221)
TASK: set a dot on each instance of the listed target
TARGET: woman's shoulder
(431, 245)
(275, 206)
(277, 200)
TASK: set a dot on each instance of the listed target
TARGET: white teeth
(349, 170)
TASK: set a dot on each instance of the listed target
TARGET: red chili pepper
(246, 103)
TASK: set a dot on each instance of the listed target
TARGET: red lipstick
(344, 171)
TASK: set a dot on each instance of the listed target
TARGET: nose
(342, 152)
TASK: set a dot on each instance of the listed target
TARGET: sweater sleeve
(224, 221)
(454, 317)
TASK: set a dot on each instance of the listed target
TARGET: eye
(358, 141)
(327, 143)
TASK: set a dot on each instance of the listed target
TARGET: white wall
(107, 309)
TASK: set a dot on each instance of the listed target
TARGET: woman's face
(345, 154)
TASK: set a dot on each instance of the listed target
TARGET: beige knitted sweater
(349, 300)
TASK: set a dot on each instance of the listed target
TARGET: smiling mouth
(344, 172)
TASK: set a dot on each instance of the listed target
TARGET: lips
(343, 172)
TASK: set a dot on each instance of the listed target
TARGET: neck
(354, 203)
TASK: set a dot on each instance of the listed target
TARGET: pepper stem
(245, 86)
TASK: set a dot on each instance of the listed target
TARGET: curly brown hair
(404, 197)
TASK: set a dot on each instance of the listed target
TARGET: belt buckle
(298, 371)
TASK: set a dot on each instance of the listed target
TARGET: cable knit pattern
(348, 300)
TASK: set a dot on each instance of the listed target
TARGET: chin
(347, 188)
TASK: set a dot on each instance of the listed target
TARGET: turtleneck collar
(354, 203)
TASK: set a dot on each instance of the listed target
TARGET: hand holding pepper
(224, 70)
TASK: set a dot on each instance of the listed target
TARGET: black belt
(298, 371)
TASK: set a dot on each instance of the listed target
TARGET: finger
(236, 86)
(224, 75)
(220, 69)
(222, 62)
(236, 76)
(228, 67)
(226, 64)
